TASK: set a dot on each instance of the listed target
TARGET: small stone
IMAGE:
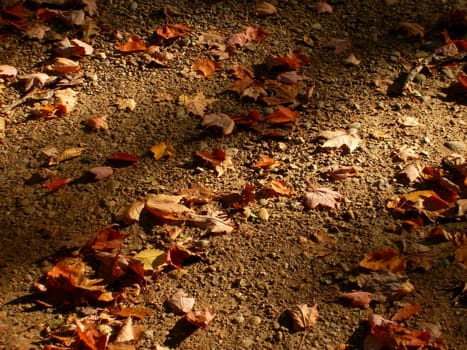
(447, 72)
(263, 214)
(317, 26)
(456, 145)
(282, 146)
(134, 6)
(380, 105)
(397, 107)
(420, 78)
(256, 320)
(319, 104)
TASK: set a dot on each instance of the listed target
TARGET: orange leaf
(205, 67)
(282, 115)
(201, 318)
(170, 31)
(133, 44)
(267, 163)
(386, 258)
(108, 239)
(54, 185)
(407, 311)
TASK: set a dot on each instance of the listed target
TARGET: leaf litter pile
(101, 285)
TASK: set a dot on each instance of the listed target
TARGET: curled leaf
(220, 121)
(202, 317)
(303, 316)
(181, 302)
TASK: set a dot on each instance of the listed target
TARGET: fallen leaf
(217, 223)
(162, 150)
(290, 77)
(122, 157)
(268, 163)
(171, 31)
(205, 67)
(408, 121)
(322, 198)
(7, 71)
(17, 10)
(277, 187)
(336, 172)
(282, 115)
(387, 258)
(202, 317)
(279, 93)
(133, 44)
(167, 207)
(129, 332)
(213, 158)
(197, 193)
(181, 302)
(323, 7)
(390, 285)
(34, 80)
(407, 311)
(319, 244)
(351, 60)
(411, 30)
(195, 104)
(64, 65)
(152, 259)
(138, 312)
(461, 247)
(74, 48)
(358, 298)
(339, 45)
(303, 316)
(68, 153)
(37, 31)
(97, 123)
(405, 153)
(221, 121)
(347, 139)
(264, 9)
(410, 173)
(55, 184)
(65, 100)
(176, 256)
(130, 213)
(101, 172)
(127, 104)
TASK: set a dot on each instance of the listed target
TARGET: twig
(302, 341)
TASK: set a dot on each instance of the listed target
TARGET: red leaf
(108, 239)
(18, 11)
(133, 44)
(123, 157)
(215, 157)
(176, 256)
(282, 115)
(54, 185)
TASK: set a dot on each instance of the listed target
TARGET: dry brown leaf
(323, 7)
(64, 65)
(97, 123)
(282, 115)
(65, 100)
(35, 80)
(336, 172)
(101, 172)
(74, 48)
(291, 77)
(393, 286)
(352, 60)
(387, 258)
(358, 298)
(168, 207)
(130, 213)
(218, 222)
(322, 197)
(205, 67)
(264, 9)
(195, 104)
(68, 153)
(133, 44)
(408, 121)
(129, 332)
(411, 30)
(7, 71)
(410, 173)
(181, 302)
(405, 153)
(303, 316)
(220, 121)
(138, 312)
(171, 31)
(319, 244)
(347, 139)
(201, 318)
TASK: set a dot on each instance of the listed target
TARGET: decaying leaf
(68, 153)
(195, 104)
(37, 30)
(338, 45)
(197, 193)
(205, 67)
(347, 139)
(168, 207)
(162, 150)
(221, 121)
(276, 188)
(407, 311)
(64, 65)
(130, 213)
(303, 316)
(152, 259)
(390, 285)
(65, 100)
(405, 153)
(410, 29)
(97, 123)
(171, 31)
(133, 44)
(215, 223)
(202, 317)
(322, 197)
(101, 172)
(74, 48)
(55, 184)
(7, 71)
(282, 115)
(264, 9)
(268, 163)
(138, 312)
(358, 298)
(181, 302)
(336, 172)
(410, 173)
(387, 258)
(129, 332)
(122, 157)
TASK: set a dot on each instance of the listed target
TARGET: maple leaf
(358, 298)
(322, 197)
(410, 173)
(107, 239)
(205, 67)
(172, 31)
(195, 104)
(387, 258)
(303, 316)
(202, 317)
(220, 121)
(268, 163)
(347, 139)
(181, 302)
(162, 150)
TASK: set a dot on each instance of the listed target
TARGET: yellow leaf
(152, 258)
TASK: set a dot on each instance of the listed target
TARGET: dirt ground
(279, 253)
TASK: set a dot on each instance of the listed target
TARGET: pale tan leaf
(323, 7)
(126, 104)
(68, 153)
(63, 65)
(167, 207)
(65, 100)
(152, 258)
(181, 302)
(7, 71)
(195, 104)
(264, 9)
(101, 172)
(410, 173)
(352, 60)
(405, 153)
(219, 120)
(347, 139)
(129, 332)
(303, 316)
(322, 198)
(408, 121)
(98, 122)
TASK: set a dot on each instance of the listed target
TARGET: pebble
(456, 145)
(256, 320)
(319, 104)
(317, 26)
(397, 107)
(263, 214)
(447, 72)
(420, 78)
(356, 125)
